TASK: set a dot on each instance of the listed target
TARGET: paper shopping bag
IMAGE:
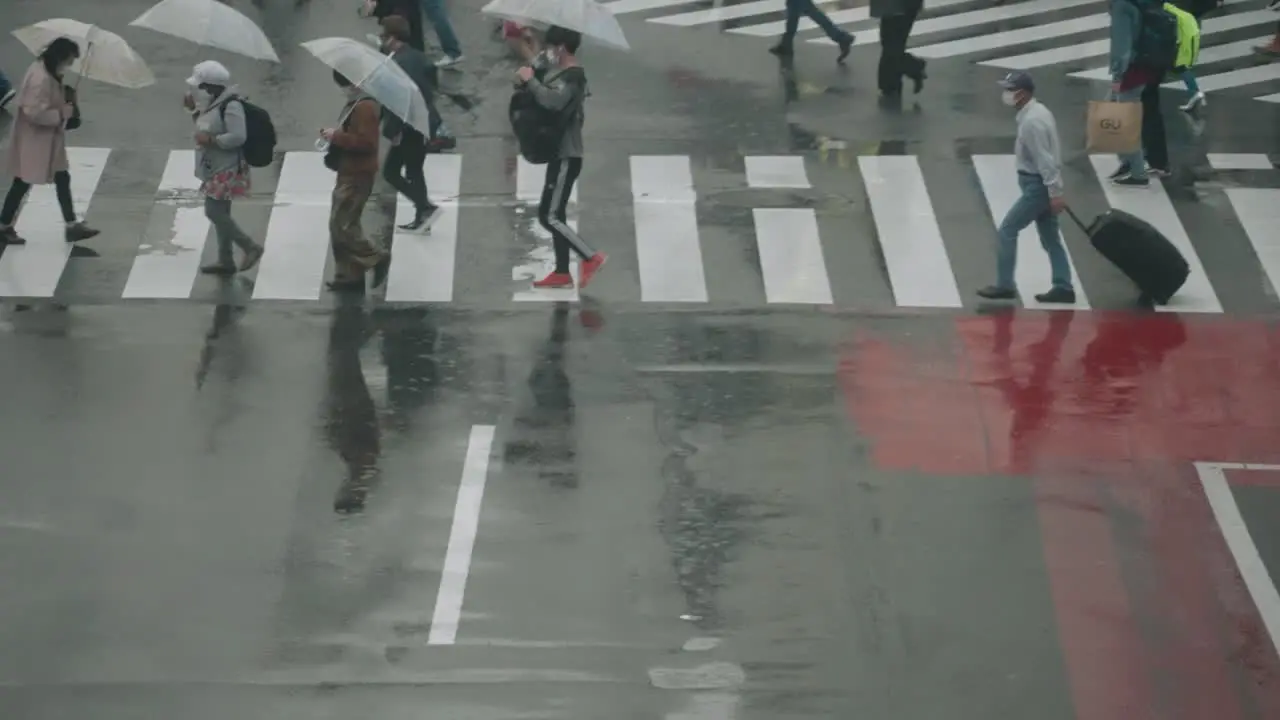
(1114, 127)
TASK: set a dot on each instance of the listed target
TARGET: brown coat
(358, 139)
(38, 141)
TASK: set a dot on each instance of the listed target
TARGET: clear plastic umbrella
(104, 56)
(209, 23)
(377, 75)
(588, 17)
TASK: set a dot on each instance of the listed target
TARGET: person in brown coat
(353, 155)
(38, 142)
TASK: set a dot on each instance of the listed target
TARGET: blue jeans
(5, 87)
(796, 8)
(1032, 207)
(1136, 161)
(440, 21)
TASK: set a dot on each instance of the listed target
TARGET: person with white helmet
(220, 136)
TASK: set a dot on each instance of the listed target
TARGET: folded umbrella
(377, 75)
(588, 17)
(209, 23)
(104, 56)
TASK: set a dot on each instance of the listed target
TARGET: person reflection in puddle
(351, 419)
(542, 435)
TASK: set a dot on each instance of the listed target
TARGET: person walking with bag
(563, 89)
(1143, 48)
(1038, 157)
(897, 17)
(220, 165)
(38, 141)
(409, 147)
(353, 155)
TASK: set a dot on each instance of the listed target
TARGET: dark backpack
(538, 129)
(260, 134)
(1156, 47)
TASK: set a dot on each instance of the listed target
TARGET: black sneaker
(1131, 181)
(1064, 296)
(846, 44)
(10, 236)
(995, 292)
(1120, 172)
(782, 50)
(423, 219)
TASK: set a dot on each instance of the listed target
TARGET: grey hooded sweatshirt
(229, 135)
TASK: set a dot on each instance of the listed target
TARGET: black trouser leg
(556, 191)
(408, 158)
(62, 188)
(895, 61)
(1154, 144)
(13, 201)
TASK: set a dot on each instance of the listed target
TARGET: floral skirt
(227, 184)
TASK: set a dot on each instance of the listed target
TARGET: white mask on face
(203, 98)
(1009, 97)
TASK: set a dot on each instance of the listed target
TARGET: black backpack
(260, 134)
(538, 129)
(1156, 47)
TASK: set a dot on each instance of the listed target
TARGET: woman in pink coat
(38, 142)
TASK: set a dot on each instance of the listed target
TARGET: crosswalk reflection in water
(926, 238)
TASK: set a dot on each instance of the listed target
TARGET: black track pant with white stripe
(556, 191)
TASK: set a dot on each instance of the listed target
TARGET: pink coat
(38, 141)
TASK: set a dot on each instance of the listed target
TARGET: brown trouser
(353, 253)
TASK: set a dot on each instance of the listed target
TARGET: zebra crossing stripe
(1273, 98)
(970, 19)
(721, 14)
(621, 7)
(1238, 161)
(1010, 38)
(998, 176)
(1258, 210)
(1212, 26)
(167, 267)
(1153, 205)
(422, 264)
(530, 180)
(1236, 78)
(914, 254)
(667, 247)
(297, 241)
(791, 260)
(33, 270)
(776, 171)
(839, 17)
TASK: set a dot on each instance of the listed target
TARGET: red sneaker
(590, 267)
(555, 280)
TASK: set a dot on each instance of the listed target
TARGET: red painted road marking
(1107, 411)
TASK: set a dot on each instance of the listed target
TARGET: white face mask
(203, 97)
(1009, 97)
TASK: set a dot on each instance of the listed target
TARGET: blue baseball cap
(1018, 80)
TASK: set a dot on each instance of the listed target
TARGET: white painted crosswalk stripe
(910, 224)
(1153, 205)
(667, 247)
(1258, 210)
(976, 17)
(1010, 38)
(297, 242)
(168, 261)
(33, 270)
(999, 179)
(910, 239)
(422, 266)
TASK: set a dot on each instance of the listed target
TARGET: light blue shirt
(1037, 150)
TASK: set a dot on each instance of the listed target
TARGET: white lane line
(462, 538)
(1153, 205)
(1212, 26)
(168, 268)
(721, 14)
(1009, 38)
(839, 17)
(999, 179)
(668, 248)
(34, 269)
(970, 19)
(1249, 562)
(422, 264)
(914, 254)
(541, 260)
(791, 259)
(1258, 210)
(296, 248)
(1239, 161)
(776, 171)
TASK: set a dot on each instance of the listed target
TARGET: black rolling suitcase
(1140, 251)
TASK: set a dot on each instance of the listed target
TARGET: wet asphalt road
(218, 508)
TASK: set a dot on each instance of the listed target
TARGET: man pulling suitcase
(1039, 162)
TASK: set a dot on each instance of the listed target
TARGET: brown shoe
(80, 231)
(10, 236)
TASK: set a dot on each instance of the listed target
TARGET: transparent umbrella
(104, 56)
(377, 75)
(588, 17)
(209, 23)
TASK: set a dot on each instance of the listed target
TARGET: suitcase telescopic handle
(1076, 219)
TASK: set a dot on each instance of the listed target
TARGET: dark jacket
(424, 74)
(409, 10)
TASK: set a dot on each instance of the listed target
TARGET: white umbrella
(104, 56)
(211, 24)
(588, 17)
(377, 75)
